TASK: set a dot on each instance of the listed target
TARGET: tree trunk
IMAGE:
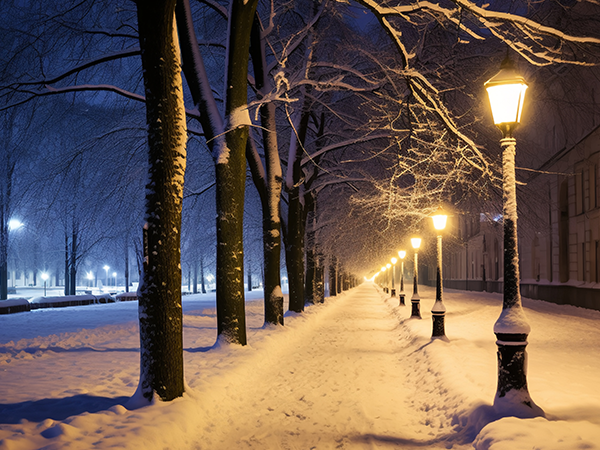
(231, 178)
(127, 263)
(160, 315)
(268, 183)
(195, 287)
(332, 276)
(202, 275)
(66, 263)
(228, 145)
(73, 263)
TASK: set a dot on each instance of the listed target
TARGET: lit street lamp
(383, 269)
(45, 278)
(402, 254)
(506, 91)
(394, 261)
(438, 312)
(387, 277)
(115, 278)
(416, 300)
(90, 277)
(106, 269)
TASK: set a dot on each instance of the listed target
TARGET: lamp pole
(401, 254)
(45, 278)
(506, 91)
(106, 269)
(415, 299)
(394, 261)
(438, 312)
(383, 269)
(387, 277)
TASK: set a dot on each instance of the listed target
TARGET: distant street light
(402, 254)
(416, 300)
(106, 269)
(383, 269)
(394, 261)
(506, 91)
(90, 277)
(14, 224)
(439, 310)
(115, 278)
(387, 277)
(45, 278)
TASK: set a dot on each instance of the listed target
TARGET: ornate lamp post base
(402, 295)
(393, 292)
(438, 324)
(416, 307)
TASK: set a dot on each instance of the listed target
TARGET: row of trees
(350, 133)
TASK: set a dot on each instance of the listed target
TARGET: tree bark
(227, 141)
(160, 315)
(268, 183)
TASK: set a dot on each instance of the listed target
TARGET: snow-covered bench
(69, 300)
(14, 305)
(126, 297)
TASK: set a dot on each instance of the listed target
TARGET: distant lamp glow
(394, 260)
(383, 268)
(415, 242)
(14, 224)
(45, 278)
(439, 219)
(388, 265)
(402, 254)
(506, 91)
(90, 276)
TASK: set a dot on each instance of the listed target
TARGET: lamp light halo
(415, 242)
(506, 92)
(402, 254)
(440, 219)
(394, 260)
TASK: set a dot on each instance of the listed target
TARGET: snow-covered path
(354, 373)
(341, 383)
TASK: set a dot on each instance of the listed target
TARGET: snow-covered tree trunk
(160, 315)
(268, 182)
(332, 276)
(231, 178)
(296, 216)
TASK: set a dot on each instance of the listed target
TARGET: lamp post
(383, 269)
(45, 278)
(506, 91)
(90, 277)
(115, 278)
(394, 261)
(438, 312)
(106, 269)
(402, 255)
(416, 300)
(387, 277)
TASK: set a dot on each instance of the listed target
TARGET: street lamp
(387, 277)
(438, 311)
(506, 91)
(45, 278)
(106, 269)
(90, 277)
(383, 269)
(402, 255)
(115, 278)
(416, 300)
(394, 261)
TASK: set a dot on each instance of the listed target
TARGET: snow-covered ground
(352, 373)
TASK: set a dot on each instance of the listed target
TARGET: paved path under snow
(341, 382)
